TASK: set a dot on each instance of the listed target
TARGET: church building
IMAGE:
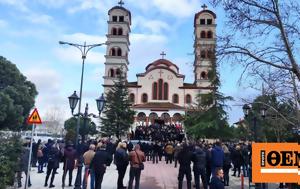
(159, 93)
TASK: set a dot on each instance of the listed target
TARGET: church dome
(163, 63)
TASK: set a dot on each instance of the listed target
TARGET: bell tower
(204, 45)
(116, 58)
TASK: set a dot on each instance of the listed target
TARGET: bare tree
(263, 36)
(54, 120)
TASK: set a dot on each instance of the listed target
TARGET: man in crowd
(101, 160)
(23, 164)
(169, 149)
(199, 168)
(121, 160)
(184, 159)
(136, 157)
(69, 163)
(217, 157)
(216, 181)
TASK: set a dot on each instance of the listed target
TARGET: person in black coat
(238, 160)
(199, 168)
(208, 162)
(216, 181)
(226, 164)
(155, 151)
(122, 161)
(101, 159)
(184, 159)
(53, 163)
(70, 155)
(23, 164)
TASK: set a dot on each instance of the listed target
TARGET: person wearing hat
(101, 160)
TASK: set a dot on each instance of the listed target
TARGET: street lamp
(246, 110)
(100, 103)
(74, 99)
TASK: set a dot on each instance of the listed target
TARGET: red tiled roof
(162, 61)
(158, 105)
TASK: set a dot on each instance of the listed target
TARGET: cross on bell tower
(121, 3)
(204, 6)
(163, 54)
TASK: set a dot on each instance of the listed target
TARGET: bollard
(242, 181)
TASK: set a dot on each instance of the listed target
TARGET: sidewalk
(155, 176)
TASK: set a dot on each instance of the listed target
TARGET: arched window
(119, 53)
(152, 117)
(209, 34)
(203, 75)
(203, 34)
(203, 54)
(131, 98)
(118, 72)
(166, 91)
(111, 73)
(113, 52)
(120, 31)
(188, 99)
(209, 53)
(175, 99)
(144, 98)
(114, 31)
(154, 91)
(160, 89)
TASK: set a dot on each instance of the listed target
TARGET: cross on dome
(121, 3)
(204, 6)
(163, 54)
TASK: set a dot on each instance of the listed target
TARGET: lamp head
(263, 111)
(246, 109)
(100, 103)
(73, 100)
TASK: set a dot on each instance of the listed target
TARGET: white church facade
(159, 93)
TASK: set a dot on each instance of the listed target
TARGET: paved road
(155, 176)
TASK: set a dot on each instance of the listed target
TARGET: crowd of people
(210, 162)
(157, 132)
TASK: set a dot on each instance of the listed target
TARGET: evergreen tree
(274, 127)
(118, 115)
(87, 127)
(209, 118)
(17, 96)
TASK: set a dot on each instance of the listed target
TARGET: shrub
(10, 152)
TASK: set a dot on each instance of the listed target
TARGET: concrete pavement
(155, 176)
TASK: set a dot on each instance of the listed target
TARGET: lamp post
(84, 49)
(74, 99)
(246, 110)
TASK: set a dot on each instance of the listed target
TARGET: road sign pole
(29, 159)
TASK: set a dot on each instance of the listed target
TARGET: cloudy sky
(30, 31)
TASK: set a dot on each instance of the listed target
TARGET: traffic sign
(34, 118)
